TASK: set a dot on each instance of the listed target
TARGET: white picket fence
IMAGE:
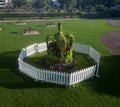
(61, 78)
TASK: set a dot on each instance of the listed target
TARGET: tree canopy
(98, 8)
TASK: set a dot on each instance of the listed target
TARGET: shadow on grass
(10, 77)
(109, 80)
(39, 26)
(107, 83)
(15, 32)
(8, 60)
(28, 84)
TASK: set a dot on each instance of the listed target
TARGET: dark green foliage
(18, 3)
(45, 8)
(32, 15)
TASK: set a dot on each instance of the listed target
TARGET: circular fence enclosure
(60, 78)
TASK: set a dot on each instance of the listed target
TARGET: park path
(40, 20)
(112, 39)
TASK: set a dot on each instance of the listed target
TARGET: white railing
(84, 49)
(31, 49)
(88, 50)
(61, 78)
(81, 75)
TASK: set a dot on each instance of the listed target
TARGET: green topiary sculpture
(59, 47)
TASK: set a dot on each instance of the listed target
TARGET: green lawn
(18, 90)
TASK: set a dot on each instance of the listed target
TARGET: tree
(10, 7)
(18, 3)
(116, 1)
(37, 4)
(68, 4)
(41, 5)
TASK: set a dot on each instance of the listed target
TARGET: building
(3, 3)
(7, 1)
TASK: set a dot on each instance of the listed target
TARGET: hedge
(28, 15)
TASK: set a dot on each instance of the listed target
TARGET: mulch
(112, 39)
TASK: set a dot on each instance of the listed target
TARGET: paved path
(39, 20)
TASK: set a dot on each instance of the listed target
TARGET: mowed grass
(18, 90)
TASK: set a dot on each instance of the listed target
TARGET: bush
(114, 13)
(90, 15)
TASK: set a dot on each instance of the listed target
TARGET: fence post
(24, 52)
(70, 82)
(97, 67)
(36, 47)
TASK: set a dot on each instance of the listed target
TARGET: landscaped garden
(81, 61)
(17, 89)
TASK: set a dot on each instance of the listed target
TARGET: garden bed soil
(31, 33)
(112, 39)
(50, 26)
(20, 24)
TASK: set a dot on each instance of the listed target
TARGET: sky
(54, 0)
